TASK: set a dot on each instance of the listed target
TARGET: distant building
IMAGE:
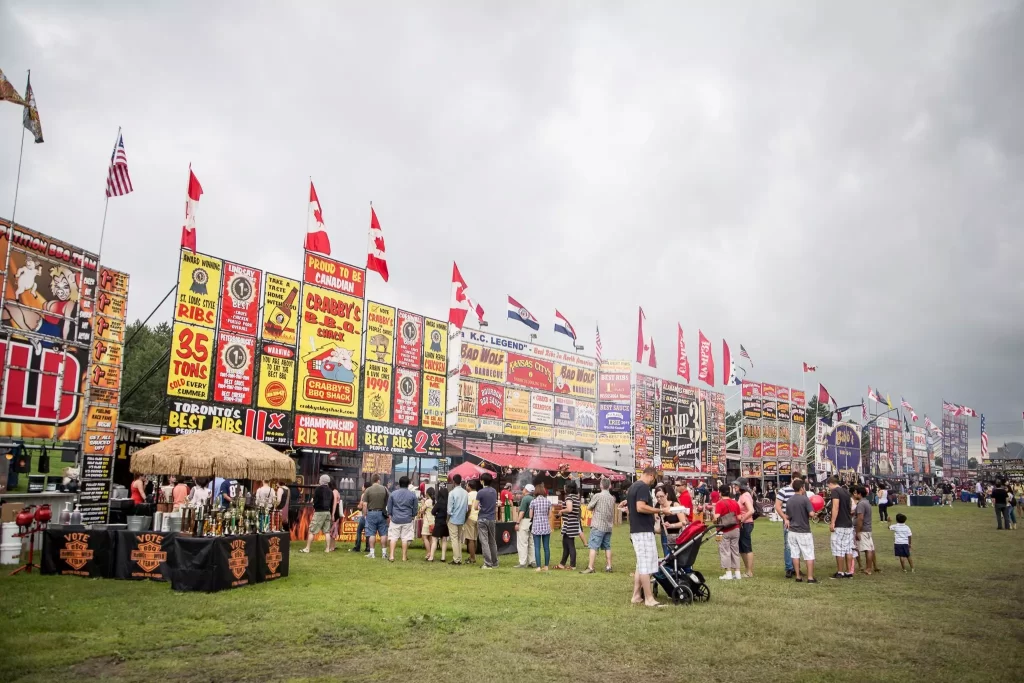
(1008, 451)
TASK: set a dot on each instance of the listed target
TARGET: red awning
(548, 464)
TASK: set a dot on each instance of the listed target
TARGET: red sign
(407, 397)
(531, 373)
(751, 389)
(409, 340)
(318, 431)
(768, 391)
(614, 386)
(40, 387)
(782, 393)
(799, 397)
(491, 401)
(240, 299)
(235, 356)
(768, 449)
(335, 275)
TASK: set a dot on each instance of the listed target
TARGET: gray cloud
(837, 185)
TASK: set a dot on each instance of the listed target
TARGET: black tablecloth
(78, 553)
(272, 556)
(214, 564)
(506, 534)
(922, 501)
(144, 555)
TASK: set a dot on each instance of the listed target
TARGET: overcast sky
(836, 183)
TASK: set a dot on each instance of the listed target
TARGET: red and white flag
(316, 232)
(952, 408)
(461, 304)
(188, 231)
(682, 362)
(119, 183)
(645, 354)
(825, 397)
(706, 369)
(810, 368)
(375, 258)
(905, 404)
(598, 349)
(969, 412)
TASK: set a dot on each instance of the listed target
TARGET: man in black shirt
(641, 534)
(842, 529)
(323, 501)
(999, 498)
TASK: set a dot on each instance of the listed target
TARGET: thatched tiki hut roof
(214, 453)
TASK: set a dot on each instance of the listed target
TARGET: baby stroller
(676, 574)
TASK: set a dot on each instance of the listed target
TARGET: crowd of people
(198, 492)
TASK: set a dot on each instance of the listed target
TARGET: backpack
(757, 508)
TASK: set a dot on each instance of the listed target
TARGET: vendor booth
(208, 547)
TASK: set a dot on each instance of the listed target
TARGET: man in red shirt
(685, 499)
(729, 545)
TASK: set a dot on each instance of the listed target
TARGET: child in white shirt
(902, 540)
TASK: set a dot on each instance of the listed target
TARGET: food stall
(209, 549)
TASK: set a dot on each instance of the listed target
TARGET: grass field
(960, 617)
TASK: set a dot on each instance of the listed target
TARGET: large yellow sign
(198, 289)
(277, 377)
(191, 368)
(377, 391)
(517, 405)
(380, 333)
(330, 345)
(435, 346)
(575, 381)
(434, 390)
(280, 309)
(483, 362)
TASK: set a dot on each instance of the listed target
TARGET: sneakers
(726, 577)
(608, 570)
(838, 575)
(790, 573)
(373, 556)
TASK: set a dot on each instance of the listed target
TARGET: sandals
(304, 550)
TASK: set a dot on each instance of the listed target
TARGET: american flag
(952, 408)
(984, 439)
(597, 343)
(743, 352)
(118, 181)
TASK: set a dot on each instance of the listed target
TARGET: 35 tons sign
(191, 362)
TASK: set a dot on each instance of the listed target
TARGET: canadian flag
(316, 232)
(644, 344)
(375, 258)
(188, 230)
(682, 362)
(706, 370)
(461, 304)
(810, 368)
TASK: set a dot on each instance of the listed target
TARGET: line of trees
(143, 386)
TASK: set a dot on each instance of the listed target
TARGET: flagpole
(17, 182)
(106, 204)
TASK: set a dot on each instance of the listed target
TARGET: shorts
(947, 498)
(403, 532)
(842, 541)
(746, 542)
(866, 544)
(469, 530)
(801, 546)
(646, 551)
(902, 550)
(376, 523)
(321, 523)
(600, 540)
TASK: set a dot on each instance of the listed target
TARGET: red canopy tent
(468, 470)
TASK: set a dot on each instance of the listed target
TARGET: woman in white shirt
(883, 504)
(199, 495)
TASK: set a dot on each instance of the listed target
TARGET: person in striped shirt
(781, 498)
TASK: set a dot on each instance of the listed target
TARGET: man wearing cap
(323, 499)
(602, 505)
(523, 522)
(746, 501)
(376, 500)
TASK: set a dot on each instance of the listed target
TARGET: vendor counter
(189, 563)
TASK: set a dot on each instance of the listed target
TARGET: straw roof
(214, 452)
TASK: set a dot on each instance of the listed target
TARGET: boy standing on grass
(902, 539)
(862, 530)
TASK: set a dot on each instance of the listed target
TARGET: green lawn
(345, 617)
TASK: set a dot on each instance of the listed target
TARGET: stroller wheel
(701, 592)
(682, 595)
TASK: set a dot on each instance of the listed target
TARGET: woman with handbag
(727, 519)
(426, 514)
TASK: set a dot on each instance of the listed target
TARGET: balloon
(817, 502)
